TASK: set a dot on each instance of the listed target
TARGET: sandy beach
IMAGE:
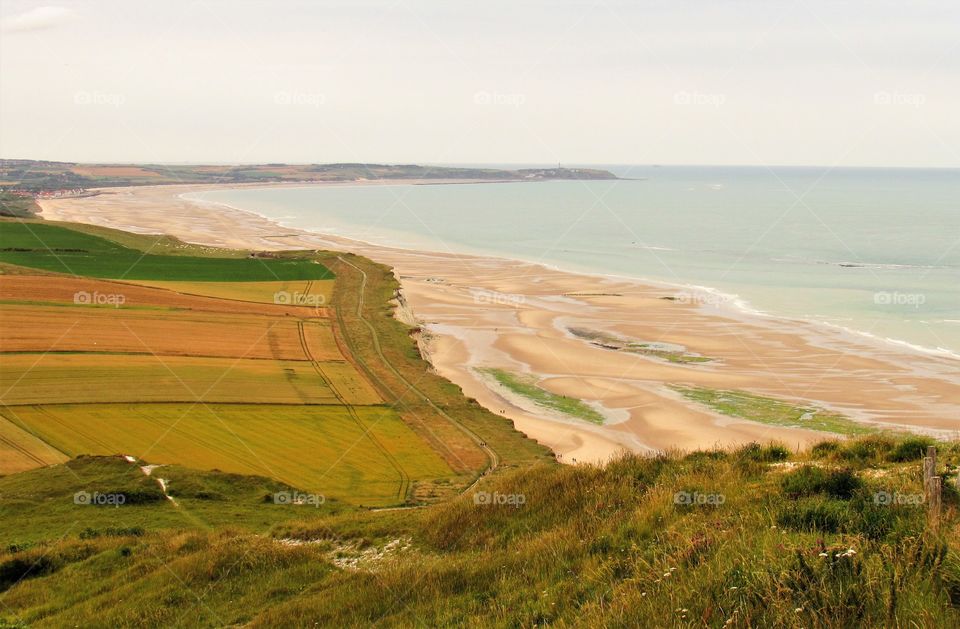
(481, 312)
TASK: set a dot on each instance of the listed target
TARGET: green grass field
(367, 456)
(54, 248)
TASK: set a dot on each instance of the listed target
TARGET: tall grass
(721, 538)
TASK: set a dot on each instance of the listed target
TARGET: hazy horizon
(790, 84)
(499, 165)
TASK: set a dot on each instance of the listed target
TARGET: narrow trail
(162, 482)
(405, 482)
(492, 456)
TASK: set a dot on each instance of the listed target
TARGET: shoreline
(481, 311)
(726, 304)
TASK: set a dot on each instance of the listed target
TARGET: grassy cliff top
(754, 537)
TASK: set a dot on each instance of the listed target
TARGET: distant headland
(34, 177)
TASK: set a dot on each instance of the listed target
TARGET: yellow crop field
(345, 380)
(20, 450)
(320, 342)
(291, 293)
(367, 459)
(62, 378)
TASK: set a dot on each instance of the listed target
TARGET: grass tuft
(527, 387)
(768, 410)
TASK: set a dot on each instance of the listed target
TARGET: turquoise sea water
(875, 251)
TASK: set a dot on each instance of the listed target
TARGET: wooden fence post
(932, 487)
(933, 508)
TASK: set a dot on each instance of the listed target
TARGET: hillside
(756, 537)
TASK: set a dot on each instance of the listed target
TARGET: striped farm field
(20, 450)
(68, 291)
(239, 361)
(291, 292)
(84, 378)
(367, 457)
(345, 380)
(31, 328)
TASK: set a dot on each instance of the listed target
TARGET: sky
(766, 82)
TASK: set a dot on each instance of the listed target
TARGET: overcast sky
(675, 82)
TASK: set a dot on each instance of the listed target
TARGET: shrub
(775, 452)
(14, 570)
(762, 454)
(910, 449)
(866, 450)
(810, 480)
(824, 449)
(110, 531)
(706, 455)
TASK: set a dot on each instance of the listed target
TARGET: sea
(872, 251)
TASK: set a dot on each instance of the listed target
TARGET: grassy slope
(588, 547)
(13, 205)
(39, 509)
(54, 248)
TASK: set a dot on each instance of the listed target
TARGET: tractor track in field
(305, 296)
(17, 448)
(492, 456)
(405, 482)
